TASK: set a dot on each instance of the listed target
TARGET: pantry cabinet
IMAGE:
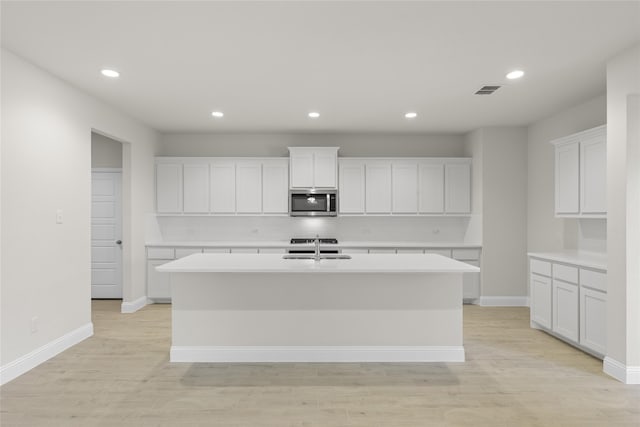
(313, 167)
(581, 174)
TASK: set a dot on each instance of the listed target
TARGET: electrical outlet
(59, 217)
(436, 231)
(34, 324)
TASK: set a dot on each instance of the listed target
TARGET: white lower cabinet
(565, 309)
(593, 319)
(570, 302)
(158, 284)
(540, 298)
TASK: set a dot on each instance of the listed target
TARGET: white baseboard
(621, 372)
(133, 306)
(231, 354)
(504, 301)
(29, 361)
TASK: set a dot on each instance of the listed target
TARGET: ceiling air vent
(487, 90)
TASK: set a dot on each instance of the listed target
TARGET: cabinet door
(457, 194)
(593, 176)
(565, 309)
(471, 282)
(324, 168)
(540, 291)
(431, 188)
(168, 188)
(158, 284)
(275, 184)
(248, 187)
(223, 187)
(301, 168)
(196, 188)
(567, 179)
(404, 181)
(351, 179)
(593, 320)
(378, 187)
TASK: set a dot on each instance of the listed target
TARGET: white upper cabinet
(568, 179)
(457, 199)
(196, 187)
(431, 187)
(275, 182)
(223, 187)
(593, 179)
(351, 191)
(378, 187)
(404, 183)
(168, 187)
(581, 174)
(313, 167)
(248, 187)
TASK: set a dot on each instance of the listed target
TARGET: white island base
(260, 308)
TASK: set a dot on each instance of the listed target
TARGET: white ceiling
(362, 65)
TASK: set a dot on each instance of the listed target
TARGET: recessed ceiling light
(411, 115)
(110, 73)
(314, 114)
(217, 114)
(516, 74)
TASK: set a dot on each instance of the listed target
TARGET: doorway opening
(106, 218)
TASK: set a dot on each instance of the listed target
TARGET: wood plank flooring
(514, 376)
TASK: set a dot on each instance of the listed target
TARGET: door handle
(118, 242)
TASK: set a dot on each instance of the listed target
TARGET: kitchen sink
(311, 256)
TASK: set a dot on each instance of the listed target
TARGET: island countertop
(274, 263)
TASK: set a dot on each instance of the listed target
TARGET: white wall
(623, 164)
(500, 183)
(275, 144)
(46, 165)
(105, 152)
(544, 231)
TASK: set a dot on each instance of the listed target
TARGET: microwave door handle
(328, 202)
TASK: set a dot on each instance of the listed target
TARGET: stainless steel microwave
(313, 202)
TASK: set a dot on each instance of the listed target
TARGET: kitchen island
(263, 308)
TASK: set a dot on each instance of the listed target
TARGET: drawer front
(542, 268)
(183, 252)
(443, 252)
(565, 273)
(593, 279)
(160, 253)
(382, 251)
(466, 254)
(354, 251)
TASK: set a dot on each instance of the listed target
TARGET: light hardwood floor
(514, 376)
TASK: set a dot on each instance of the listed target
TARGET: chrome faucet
(317, 253)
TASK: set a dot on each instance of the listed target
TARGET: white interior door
(106, 235)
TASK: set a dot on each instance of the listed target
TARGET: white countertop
(274, 263)
(586, 259)
(287, 244)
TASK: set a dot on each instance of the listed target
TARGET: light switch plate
(59, 216)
